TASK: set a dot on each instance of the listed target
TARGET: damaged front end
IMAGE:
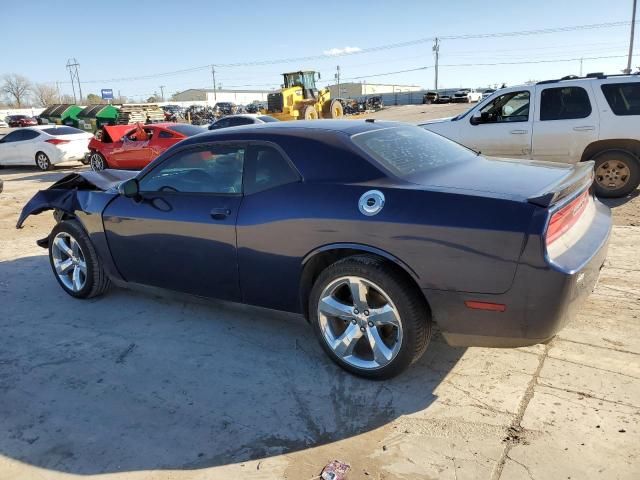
(82, 195)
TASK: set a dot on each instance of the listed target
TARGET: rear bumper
(545, 295)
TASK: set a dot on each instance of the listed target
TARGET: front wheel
(617, 174)
(74, 261)
(368, 318)
(43, 162)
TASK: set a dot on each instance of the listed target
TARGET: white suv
(466, 95)
(568, 120)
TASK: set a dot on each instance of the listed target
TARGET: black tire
(412, 308)
(97, 161)
(332, 109)
(43, 162)
(309, 113)
(96, 282)
(620, 158)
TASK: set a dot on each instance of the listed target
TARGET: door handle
(584, 128)
(220, 213)
(519, 132)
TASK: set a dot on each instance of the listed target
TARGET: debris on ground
(335, 470)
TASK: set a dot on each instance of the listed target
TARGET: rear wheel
(43, 162)
(368, 318)
(309, 113)
(97, 162)
(74, 261)
(616, 174)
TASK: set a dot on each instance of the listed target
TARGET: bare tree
(16, 87)
(45, 95)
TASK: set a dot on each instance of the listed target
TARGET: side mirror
(476, 119)
(129, 188)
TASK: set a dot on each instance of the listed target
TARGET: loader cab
(305, 80)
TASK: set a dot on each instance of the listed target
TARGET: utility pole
(58, 90)
(436, 52)
(338, 79)
(213, 75)
(162, 92)
(633, 25)
(580, 67)
(72, 66)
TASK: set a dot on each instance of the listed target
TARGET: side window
(236, 121)
(510, 107)
(165, 134)
(222, 123)
(564, 103)
(29, 135)
(211, 169)
(623, 98)
(14, 136)
(266, 169)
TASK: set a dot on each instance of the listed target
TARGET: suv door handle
(220, 213)
(584, 128)
(519, 132)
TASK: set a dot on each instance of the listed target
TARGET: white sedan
(43, 146)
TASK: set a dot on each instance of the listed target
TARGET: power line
(370, 50)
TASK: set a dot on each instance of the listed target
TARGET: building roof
(222, 90)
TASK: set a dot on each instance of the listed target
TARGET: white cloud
(341, 51)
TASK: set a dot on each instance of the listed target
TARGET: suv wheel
(616, 174)
(368, 318)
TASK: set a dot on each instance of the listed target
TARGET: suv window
(211, 169)
(564, 103)
(266, 169)
(509, 107)
(623, 98)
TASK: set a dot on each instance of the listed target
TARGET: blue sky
(122, 39)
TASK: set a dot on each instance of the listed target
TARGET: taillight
(56, 141)
(566, 217)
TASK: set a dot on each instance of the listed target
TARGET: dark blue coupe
(372, 230)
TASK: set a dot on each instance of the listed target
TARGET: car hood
(73, 192)
(520, 180)
(436, 120)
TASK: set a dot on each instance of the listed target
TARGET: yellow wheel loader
(299, 99)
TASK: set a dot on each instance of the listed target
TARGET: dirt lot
(131, 385)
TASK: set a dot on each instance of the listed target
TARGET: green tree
(93, 99)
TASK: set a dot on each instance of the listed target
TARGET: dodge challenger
(371, 230)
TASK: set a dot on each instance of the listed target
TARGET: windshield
(187, 130)
(407, 151)
(62, 131)
(267, 119)
(300, 79)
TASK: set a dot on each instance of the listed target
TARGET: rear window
(184, 129)
(267, 119)
(62, 131)
(623, 98)
(406, 151)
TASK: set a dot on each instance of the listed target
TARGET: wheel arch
(320, 258)
(600, 147)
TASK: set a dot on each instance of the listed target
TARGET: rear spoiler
(579, 178)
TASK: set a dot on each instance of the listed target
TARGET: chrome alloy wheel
(612, 174)
(69, 261)
(96, 162)
(359, 322)
(43, 161)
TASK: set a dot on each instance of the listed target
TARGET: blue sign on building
(107, 94)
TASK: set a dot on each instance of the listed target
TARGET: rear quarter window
(623, 98)
(406, 150)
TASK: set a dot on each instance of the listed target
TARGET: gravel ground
(134, 386)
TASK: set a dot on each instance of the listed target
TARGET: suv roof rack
(599, 75)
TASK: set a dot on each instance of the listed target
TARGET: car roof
(349, 127)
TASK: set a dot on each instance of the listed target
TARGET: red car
(133, 147)
(21, 121)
